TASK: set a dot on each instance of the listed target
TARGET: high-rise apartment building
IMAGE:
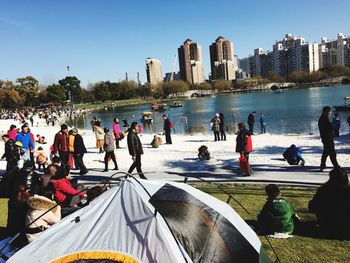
(190, 62)
(335, 52)
(153, 71)
(221, 59)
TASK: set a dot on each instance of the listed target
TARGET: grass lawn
(305, 246)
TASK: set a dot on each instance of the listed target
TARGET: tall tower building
(153, 71)
(221, 59)
(190, 62)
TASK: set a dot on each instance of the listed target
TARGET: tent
(148, 221)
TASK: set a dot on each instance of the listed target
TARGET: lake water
(294, 111)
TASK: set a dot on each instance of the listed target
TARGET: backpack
(171, 125)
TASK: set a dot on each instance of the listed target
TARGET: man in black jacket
(167, 129)
(327, 136)
(251, 121)
(135, 149)
(79, 151)
(11, 153)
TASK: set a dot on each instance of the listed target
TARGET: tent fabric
(124, 221)
(117, 221)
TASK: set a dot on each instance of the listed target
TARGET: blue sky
(103, 39)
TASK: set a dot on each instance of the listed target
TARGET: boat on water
(345, 106)
(176, 104)
(147, 117)
(160, 107)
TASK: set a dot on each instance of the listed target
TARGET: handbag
(244, 165)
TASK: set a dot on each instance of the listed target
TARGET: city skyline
(102, 41)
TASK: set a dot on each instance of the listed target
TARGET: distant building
(190, 62)
(335, 52)
(221, 59)
(153, 71)
(168, 77)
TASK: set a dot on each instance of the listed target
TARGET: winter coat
(216, 124)
(241, 141)
(63, 187)
(251, 118)
(11, 151)
(326, 129)
(71, 139)
(109, 142)
(116, 130)
(26, 140)
(79, 146)
(262, 120)
(43, 221)
(134, 144)
(61, 142)
(99, 133)
(12, 134)
(166, 126)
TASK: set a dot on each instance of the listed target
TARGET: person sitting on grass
(277, 215)
(331, 205)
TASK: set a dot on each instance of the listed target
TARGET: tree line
(26, 91)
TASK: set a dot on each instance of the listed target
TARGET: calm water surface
(294, 111)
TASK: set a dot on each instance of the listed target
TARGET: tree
(174, 87)
(10, 99)
(56, 93)
(222, 85)
(29, 88)
(7, 84)
(71, 84)
(101, 91)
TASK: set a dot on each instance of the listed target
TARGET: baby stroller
(203, 153)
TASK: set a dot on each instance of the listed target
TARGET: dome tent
(148, 221)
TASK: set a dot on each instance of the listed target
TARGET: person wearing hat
(27, 142)
(37, 206)
(61, 144)
(11, 153)
(216, 127)
(135, 149)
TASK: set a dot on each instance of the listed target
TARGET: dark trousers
(251, 127)
(112, 155)
(222, 134)
(328, 150)
(79, 163)
(137, 164)
(263, 128)
(168, 137)
(117, 143)
(216, 136)
(64, 157)
(10, 165)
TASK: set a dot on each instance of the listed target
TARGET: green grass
(305, 246)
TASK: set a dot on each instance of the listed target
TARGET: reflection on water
(294, 111)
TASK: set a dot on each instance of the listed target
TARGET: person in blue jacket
(263, 123)
(27, 142)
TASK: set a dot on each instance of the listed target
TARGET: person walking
(117, 132)
(222, 127)
(167, 129)
(242, 146)
(27, 142)
(79, 151)
(61, 144)
(135, 149)
(99, 133)
(336, 124)
(327, 136)
(216, 127)
(109, 149)
(251, 121)
(262, 123)
(11, 153)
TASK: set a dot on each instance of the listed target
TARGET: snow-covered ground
(171, 162)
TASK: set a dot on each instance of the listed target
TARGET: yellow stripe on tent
(95, 255)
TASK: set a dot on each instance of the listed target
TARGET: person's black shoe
(105, 170)
(116, 168)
